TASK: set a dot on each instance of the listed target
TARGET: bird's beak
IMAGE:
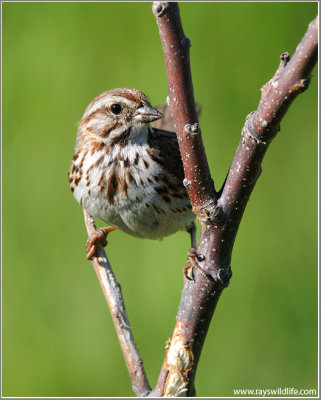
(147, 113)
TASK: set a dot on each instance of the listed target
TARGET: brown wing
(167, 123)
(165, 151)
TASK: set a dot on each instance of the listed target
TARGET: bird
(128, 173)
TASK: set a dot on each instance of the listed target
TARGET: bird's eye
(116, 108)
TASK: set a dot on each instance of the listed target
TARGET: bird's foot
(192, 262)
(98, 236)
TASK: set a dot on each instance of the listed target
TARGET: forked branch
(219, 214)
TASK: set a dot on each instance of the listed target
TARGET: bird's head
(114, 113)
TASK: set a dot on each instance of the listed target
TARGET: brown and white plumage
(127, 173)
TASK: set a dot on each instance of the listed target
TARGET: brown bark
(219, 213)
(112, 292)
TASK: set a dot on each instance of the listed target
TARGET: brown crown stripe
(132, 97)
(130, 94)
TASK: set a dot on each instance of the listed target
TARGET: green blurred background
(58, 338)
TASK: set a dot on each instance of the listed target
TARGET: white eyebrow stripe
(110, 98)
(122, 99)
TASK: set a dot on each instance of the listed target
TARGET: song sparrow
(127, 173)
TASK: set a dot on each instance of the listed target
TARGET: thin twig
(113, 296)
(220, 218)
(261, 126)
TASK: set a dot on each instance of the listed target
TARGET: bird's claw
(98, 236)
(192, 262)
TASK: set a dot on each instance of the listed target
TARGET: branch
(291, 78)
(181, 100)
(219, 213)
(113, 296)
